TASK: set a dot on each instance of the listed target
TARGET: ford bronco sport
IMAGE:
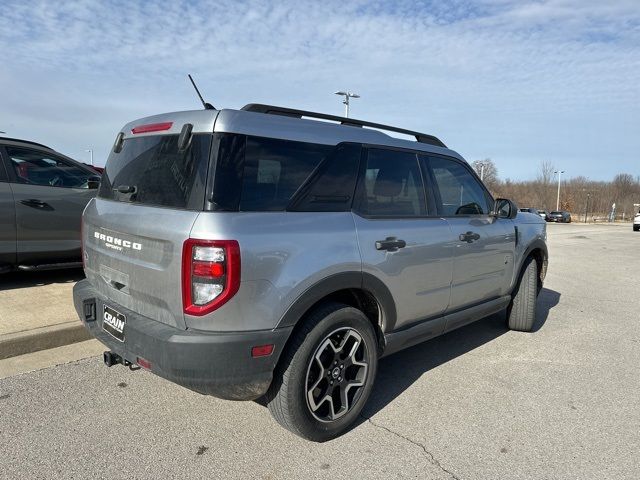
(263, 254)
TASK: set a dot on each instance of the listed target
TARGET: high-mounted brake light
(210, 274)
(152, 127)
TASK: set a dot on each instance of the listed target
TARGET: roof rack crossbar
(352, 122)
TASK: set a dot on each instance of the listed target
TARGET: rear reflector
(208, 269)
(152, 127)
(146, 364)
(262, 351)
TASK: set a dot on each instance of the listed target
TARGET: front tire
(521, 313)
(636, 228)
(326, 373)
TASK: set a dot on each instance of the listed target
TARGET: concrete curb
(29, 341)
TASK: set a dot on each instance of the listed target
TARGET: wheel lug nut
(339, 379)
(331, 382)
(341, 366)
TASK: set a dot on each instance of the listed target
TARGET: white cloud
(518, 82)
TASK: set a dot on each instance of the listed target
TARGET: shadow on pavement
(13, 280)
(398, 372)
(546, 301)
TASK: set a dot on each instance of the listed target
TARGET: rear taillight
(210, 274)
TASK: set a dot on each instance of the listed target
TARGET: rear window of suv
(150, 170)
(257, 174)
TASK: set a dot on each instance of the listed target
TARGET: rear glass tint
(256, 174)
(156, 173)
(274, 170)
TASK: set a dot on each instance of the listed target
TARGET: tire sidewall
(520, 295)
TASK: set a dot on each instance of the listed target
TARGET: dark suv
(42, 196)
(559, 217)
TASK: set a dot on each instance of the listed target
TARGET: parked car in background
(529, 210)
(559, 217)
(543, 214)
(636, 222)
(42, 196)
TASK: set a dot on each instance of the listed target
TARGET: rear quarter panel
(282, 254)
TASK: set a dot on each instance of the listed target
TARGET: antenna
(206, 105)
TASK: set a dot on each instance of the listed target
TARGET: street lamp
(586, 207)
(481, 170)
(347, 96)
(559, 172)
(91, 153)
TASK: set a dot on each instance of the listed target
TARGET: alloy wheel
(336, 374)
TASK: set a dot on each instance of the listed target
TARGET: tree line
(578, 195)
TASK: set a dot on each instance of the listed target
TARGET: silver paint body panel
(283, 254)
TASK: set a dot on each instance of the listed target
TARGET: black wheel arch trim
(343, 281)
(537, 244)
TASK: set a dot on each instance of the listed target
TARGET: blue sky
(518, 82)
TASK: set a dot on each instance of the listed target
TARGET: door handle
(390, 244)
(469, 237)
(33, 202)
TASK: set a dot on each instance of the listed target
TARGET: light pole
(347, 95)
(481, 170)
(559, 172)
(586, 208)
(90, 150)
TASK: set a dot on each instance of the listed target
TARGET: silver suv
(264, 254)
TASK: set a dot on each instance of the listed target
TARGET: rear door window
(150, 170)
(392, 185)
(333, 184)
(33, 167)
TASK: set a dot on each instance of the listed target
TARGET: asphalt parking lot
(479, 403)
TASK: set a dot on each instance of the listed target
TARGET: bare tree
(544, 180)
(546, 173)
(488, 171)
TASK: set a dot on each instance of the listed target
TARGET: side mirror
(505, 208)
(93, 182)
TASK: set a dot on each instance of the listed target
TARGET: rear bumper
(218, 364)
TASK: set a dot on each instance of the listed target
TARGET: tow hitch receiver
(110, 359)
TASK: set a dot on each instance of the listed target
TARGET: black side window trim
(427, 166)
(4, 173)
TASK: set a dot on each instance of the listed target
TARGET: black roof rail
(24, 141)
(352, 122)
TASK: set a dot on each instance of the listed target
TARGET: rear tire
(326, 373)
(521, 313)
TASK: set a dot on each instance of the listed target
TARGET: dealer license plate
(113, 322)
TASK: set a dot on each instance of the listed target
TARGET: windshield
(151, 170)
